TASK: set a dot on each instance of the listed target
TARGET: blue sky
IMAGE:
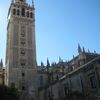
(60, 26)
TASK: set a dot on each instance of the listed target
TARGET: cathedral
(77, 79)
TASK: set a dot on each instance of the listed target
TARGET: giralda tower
(21, 49)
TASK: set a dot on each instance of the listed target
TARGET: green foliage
(9, 93)
(97, 97)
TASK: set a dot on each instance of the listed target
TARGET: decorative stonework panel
(30, 36)
(23, 36)
(23, 32)
(22, 42)
(30, 58)
(23, 63)
(23, 52)
(16, 35)
(15, 57)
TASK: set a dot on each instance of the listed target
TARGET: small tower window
(31, 15)
(23, 42)
(27, 14)
(93, 82)
(22, 0)
(23, 34)
(23, 12)
(23, 62)
(23, 31)
(23, 74)
(23, 88)
(18, 12)
(22, 52)
(14, 11)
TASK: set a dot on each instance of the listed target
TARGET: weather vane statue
(32, 2)
(12, 1)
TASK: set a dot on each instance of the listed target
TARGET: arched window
(18, 12)
(22, 52)
(22, 0)
(27, 14)
(23, 74)
(23, 62)
(14, 11)
(23, 88)
(31, 15)
(23, 12)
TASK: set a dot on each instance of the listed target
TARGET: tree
(97, 97)
(9, 93)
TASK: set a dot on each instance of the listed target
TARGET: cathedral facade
(77, 79)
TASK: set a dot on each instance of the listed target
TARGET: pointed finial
(48, 64)
(79, 48)
(42, 64)
(88, 51)
(83, 50)
(73, 57)
(94, 51)
(60, 60)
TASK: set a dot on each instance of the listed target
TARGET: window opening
(23, 74)
(27, 14)
(14, 11)
(93, 81)
(18, 12)
(23, 12)
(23, 88)
(31, 15)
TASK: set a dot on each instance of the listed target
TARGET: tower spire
(48, 63)
(79, 49)
(60, 60)
(88, 51)
(94, 51)
(83, 50)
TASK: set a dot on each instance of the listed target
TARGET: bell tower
(20, 1)
(21, 49)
